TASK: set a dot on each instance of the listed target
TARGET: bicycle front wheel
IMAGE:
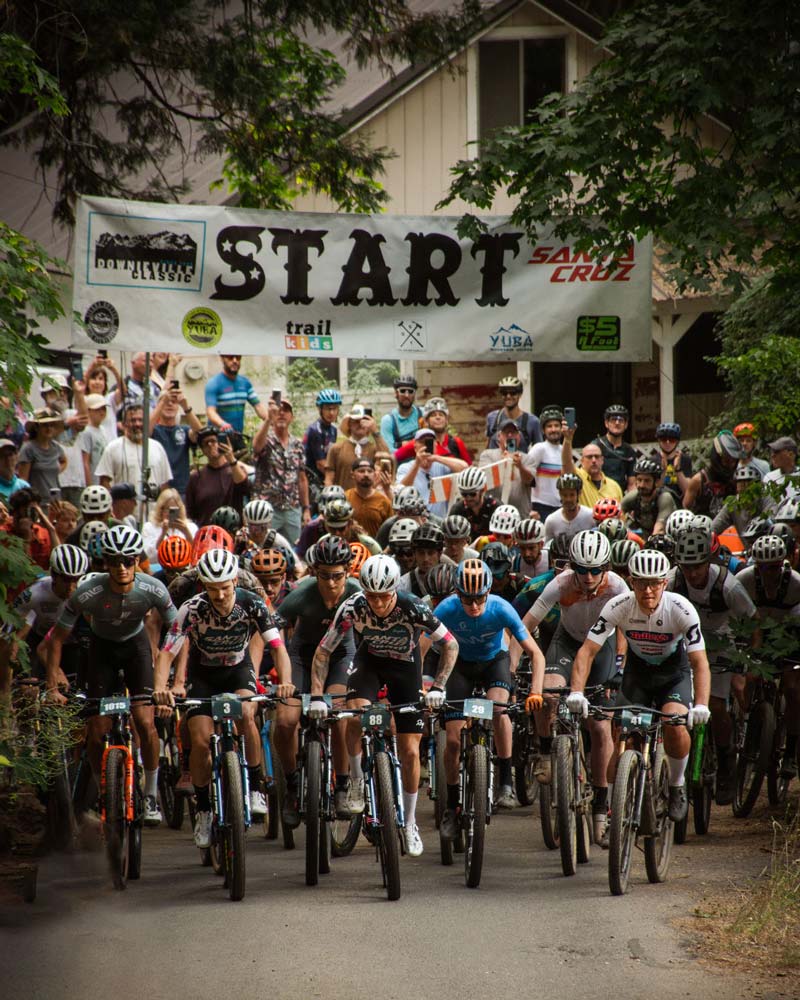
(61, 824)
(778, 786)
(312, 812)
(565, 804)
(754, 758)
(620, 833)
(526, 786)
(703, 793)
(548, 811)
(658, 847)
(116, 827)
(477, 798)
(387, 814)
(233, 829)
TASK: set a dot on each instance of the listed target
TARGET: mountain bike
(271, 775)
(170, 763)
(383, 819)
(230, 789)
(524, 739)
(701, 776)
(121, 787)
(640, 803)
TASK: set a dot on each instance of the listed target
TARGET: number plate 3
(225, 706)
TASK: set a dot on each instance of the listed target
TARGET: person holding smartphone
(510, 448)
(174, 435)
(596, 485)
(426, 466)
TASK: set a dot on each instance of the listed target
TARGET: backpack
(716, 599)
(396, 426)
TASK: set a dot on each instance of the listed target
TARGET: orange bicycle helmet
(605, 508)
(268, 562)
(174, 552)
(744, 430)
(210, 537)
(360, 555)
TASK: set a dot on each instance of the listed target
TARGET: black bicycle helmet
(668, 430)
(331, 550)
(497, 558)
(551, 413)
(441, 580)
(227, 518)
(661, 543)
(428, 536)
(647, 467)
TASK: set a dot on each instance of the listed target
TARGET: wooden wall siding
(693, 411)
(530, 15)
(589, 55)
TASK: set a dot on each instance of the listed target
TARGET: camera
(151, 491)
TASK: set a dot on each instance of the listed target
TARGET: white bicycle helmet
(122, 541)
(68, 560)
(702, 522)
(590, 549)
(647, 564)
(89, 531)
(747, 474)
(470, 480)
(380, 575)
(401, 495)
(402, 531)
(504, 519)
(456, 526)
(529, 531)
(692, 546)
(788, 512)
(95, 500)
(218, 566)
(435, 405)
(768, 548)
(328, 493)
(258, 512)
(678, 519)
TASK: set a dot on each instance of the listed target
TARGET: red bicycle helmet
(210, 537)
(605, 508)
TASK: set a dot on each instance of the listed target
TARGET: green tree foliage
(623, 155)
(149, 83)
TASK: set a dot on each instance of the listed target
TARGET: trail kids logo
(512, 338)
(569, 265)
(308, 337)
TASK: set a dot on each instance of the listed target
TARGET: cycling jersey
(481, 639)
(189, 583)
(643, 515)
(40, 606)
(784, 603)
(394, 637)
(653, 637)
(306, 611)
(723, 596)
(531, 592)
(222, 640)
(113, 616)
(579, 611)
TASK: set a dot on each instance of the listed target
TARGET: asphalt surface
(526, 930)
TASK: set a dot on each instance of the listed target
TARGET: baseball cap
(7, 443)
(783, 442)
(286, 404)
(508, 423)
(57, 378)
(123, 491)
(424, 432)
(94, 401)
(362, 463)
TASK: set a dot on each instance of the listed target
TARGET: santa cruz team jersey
(222, 640)
(481, 639)
(579, 611)
(113, 616)
(655, 637)
(394, 636)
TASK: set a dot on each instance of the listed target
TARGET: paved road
(526, 930)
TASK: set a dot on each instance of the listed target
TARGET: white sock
(355, 767)
(677, 770)
(410, 807)
(151, 782)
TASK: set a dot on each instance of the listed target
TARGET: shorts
(721, 681)
(469, 674)
(73, 661)
(403, 680)
(645, 684)
(301, 670)
(564, 648)
(108, 659)
(205, 682)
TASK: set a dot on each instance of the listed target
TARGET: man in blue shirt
(10, 482)
(322, 433)
(226, 394)
(174, 436)
(478, 620)
(402, 423)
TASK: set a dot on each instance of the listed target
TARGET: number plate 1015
(478, 708)
(114, 706)
(225, 706)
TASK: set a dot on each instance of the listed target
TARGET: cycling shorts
(132, 658)
(564, 648)
(644, 684)
(73, 661)
(301, 671)
(469, 674)
(205, 682)
(403, 680)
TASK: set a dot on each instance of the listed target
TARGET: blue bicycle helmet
(329, 397)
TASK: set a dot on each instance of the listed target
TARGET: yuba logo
(569, 265)
(512, 338)
(202, 327)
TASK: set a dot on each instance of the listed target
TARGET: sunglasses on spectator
(127, 561)
(588, 570)
(331, 577)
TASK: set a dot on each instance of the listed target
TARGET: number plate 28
(225, 706)
(114, 706)
(376, 717)
(478, 708)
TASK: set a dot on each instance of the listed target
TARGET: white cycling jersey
(651, 637)
(40, 606)
(579, 611)
(714, 620)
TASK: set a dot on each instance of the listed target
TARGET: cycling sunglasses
(469, 599)
(127, 561)
(469, 493)
(331, 577)
(406, 392)
(403, 553)
(589, 571)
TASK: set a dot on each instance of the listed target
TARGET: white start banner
(193, 278)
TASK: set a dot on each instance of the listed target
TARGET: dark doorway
(590, 388)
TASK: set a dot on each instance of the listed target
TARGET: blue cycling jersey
(481, 638)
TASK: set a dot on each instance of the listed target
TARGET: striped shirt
(229, 397)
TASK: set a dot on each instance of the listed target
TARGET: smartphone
(511, 444)
(367, 411)
(102, 354)
(174, 384)
(173, 515)
(569, 416)
(276, 395)
(76, 369)
(55, 493)
(222, 437)
(386, 464)
(429, 443)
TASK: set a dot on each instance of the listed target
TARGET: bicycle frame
(376, 737)
(477, 731)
